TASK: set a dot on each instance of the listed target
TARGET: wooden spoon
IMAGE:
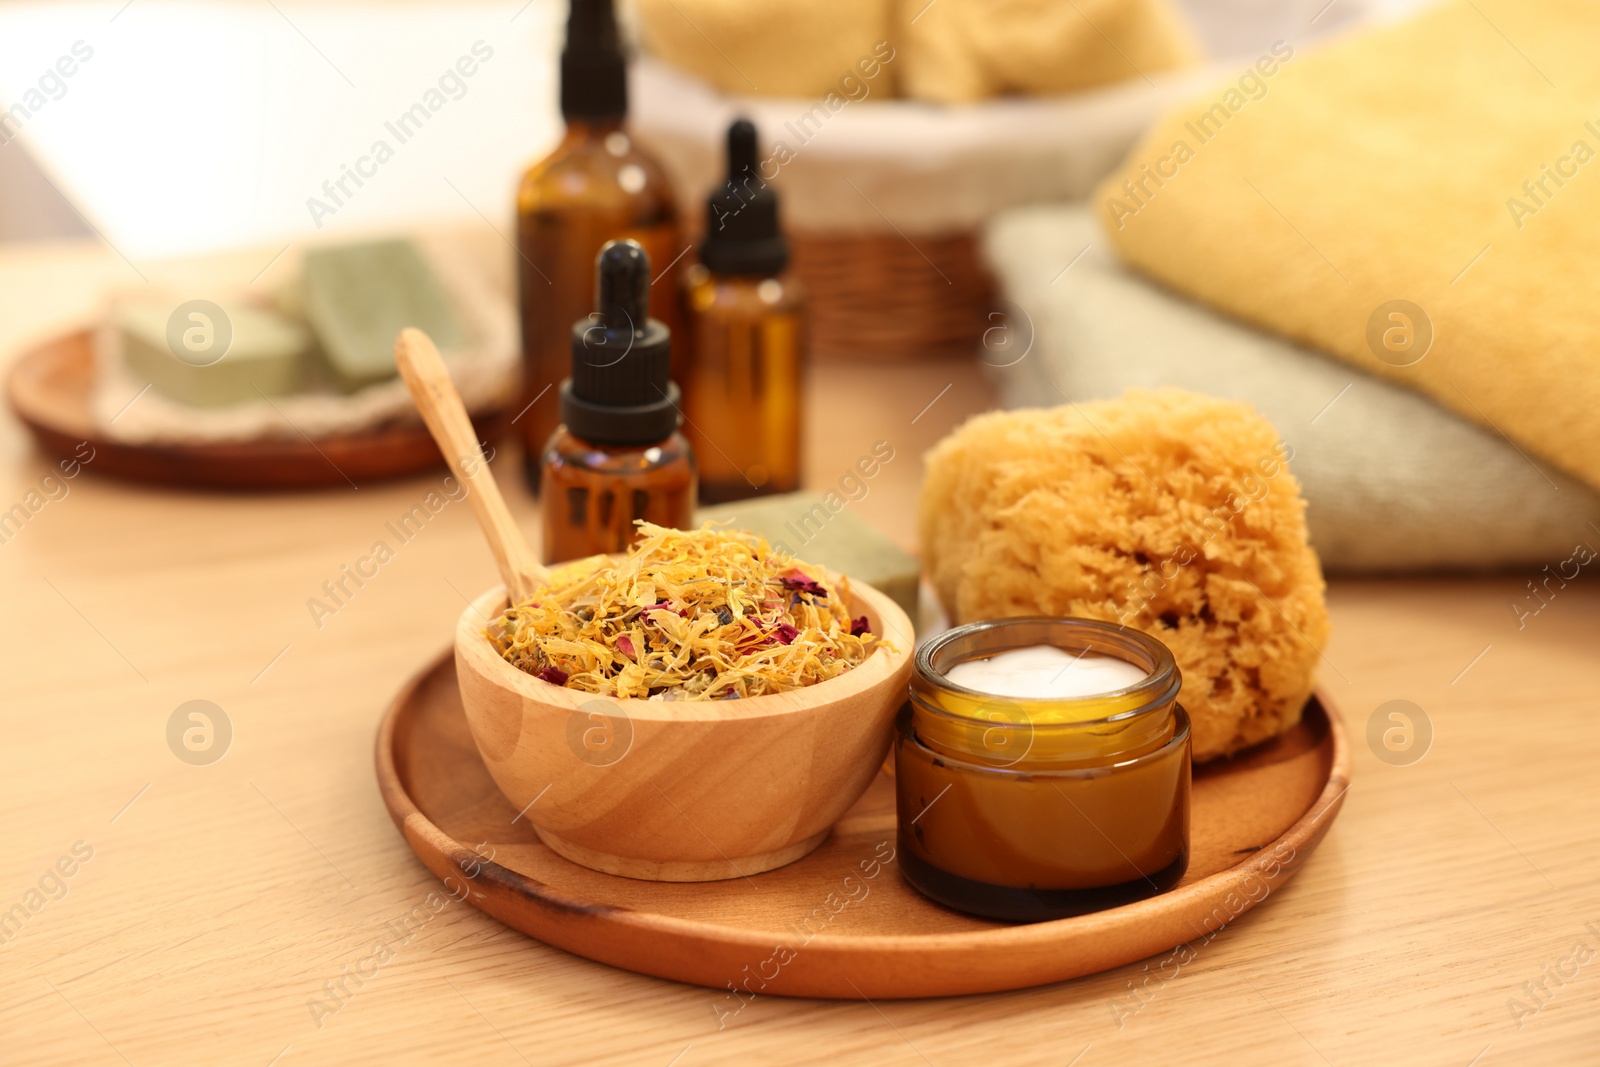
(441, 408)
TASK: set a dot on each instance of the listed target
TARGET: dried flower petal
(687, 615)
(798, 581)
(860, 626)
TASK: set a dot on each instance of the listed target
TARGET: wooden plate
(49, 391)
(823, 926)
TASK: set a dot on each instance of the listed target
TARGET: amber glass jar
(1027, 809)
(744, 388)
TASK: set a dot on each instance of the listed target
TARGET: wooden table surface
(1451, 917)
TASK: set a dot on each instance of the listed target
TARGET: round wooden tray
(49, 389)
(824, 926)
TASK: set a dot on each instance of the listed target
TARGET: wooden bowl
(683, 791)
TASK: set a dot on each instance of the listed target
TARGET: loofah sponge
(1168, 511)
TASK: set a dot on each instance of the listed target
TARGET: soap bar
(242, 355)
(802, 525)
(359, 297)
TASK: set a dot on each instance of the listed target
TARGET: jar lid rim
(1163, 682)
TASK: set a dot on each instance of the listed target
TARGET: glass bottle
(595, 492)
(617, 456)
(746, 332)
(595, 186)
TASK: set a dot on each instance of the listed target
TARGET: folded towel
(1443, 162)
(807, 48)
(1392, 481)
(484, 365)
(946, 51)
(958, 51)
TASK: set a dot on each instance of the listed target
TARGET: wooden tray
(49, 389)
(1256, 819)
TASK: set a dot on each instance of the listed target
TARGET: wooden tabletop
(1451, 917)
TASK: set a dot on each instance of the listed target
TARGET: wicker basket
(884, 211)
(886, 297)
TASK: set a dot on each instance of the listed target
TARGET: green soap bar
(209, 355)
(359, 297)
(802, 525)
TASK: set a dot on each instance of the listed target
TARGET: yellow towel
(1451, 162)
(945, 51)
(809, 48)
(957, 51)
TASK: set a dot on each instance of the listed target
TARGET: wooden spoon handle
(441, 408)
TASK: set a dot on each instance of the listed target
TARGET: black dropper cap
(742, 234)
(621, 391)
(594, 70)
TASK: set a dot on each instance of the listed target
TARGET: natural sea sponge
(1170, 512)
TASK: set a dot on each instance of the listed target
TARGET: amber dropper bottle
(596, 186)
(747, 339)
(617, 455)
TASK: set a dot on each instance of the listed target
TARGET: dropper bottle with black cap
(595, 186)
(617, 455)
(746, 335)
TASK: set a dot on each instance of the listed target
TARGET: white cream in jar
(1046, 671)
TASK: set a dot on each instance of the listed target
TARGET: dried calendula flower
(703, 614)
